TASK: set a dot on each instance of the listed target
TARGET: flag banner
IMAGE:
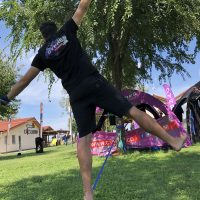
(101, 143)
(171, 101)
(41, 112)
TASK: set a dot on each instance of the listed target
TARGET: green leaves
(25, 17)
(8, 76)
(117, 34)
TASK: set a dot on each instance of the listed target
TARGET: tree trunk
(116, 63)
(117, 72)
(117, 56)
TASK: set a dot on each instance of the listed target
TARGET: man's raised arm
(81, 11)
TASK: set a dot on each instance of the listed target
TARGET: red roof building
(18, 134)
(14, 123)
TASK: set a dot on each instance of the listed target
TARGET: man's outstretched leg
(85, 162)
(150, 125)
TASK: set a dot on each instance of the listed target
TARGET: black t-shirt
(64, 55)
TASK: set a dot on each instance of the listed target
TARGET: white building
(18, 134)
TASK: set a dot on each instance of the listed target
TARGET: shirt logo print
(56, 47)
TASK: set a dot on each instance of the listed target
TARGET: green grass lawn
(54, 175)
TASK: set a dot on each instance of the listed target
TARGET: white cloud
(58, 122)
(25, 61)
(53, 114)
(37, 91)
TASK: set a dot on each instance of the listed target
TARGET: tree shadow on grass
(129, 177)
(58, 186)
(28, 153)
(147, 177)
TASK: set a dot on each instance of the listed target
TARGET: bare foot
(178, 142)
(88, 196)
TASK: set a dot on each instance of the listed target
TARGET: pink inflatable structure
(138, 138)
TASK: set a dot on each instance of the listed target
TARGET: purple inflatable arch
(138, 138)
(137, 97)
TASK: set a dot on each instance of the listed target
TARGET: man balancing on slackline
(62, 53)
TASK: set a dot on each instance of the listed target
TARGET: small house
(18, 134)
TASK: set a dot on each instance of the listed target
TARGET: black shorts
(95, 91)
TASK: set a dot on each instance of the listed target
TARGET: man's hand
(81, 11)
(4, 100)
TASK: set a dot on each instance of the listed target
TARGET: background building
(18, 134)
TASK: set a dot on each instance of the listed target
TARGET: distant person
(64, 138)
(63, 54)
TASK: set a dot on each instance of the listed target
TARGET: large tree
(8, 76)
(117, 34)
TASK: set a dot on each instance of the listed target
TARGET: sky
(54, 114)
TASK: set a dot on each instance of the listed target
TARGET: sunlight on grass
(54, 175)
